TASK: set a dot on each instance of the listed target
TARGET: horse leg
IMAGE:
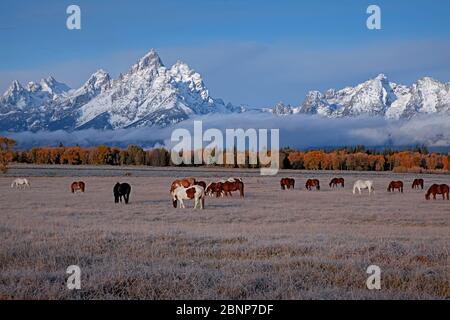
(203, 203)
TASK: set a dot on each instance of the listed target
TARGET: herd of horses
(435, 189)
(197, 190)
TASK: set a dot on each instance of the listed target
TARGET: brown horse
(418, 183)
(211, 189)
(335, 181)
(77, 186)
(395, 185)
(201, 184)
(228, 187)
(187, 182)
(287, 183)
(311, 183)
(438, 189)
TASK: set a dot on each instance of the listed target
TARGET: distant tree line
(356, 158)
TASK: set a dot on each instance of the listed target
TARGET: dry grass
(272, 245)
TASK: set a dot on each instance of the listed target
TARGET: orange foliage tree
(6, 154)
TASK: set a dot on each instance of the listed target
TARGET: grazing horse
(438, 189)
(121, 190)
(20, 182)
(287, 183)
(418, 183)
(311, 183)
(187, 182)
(335, 181)
(228, 187)
(211, 188)
(201, 184)
(195, 192)
(395, 185)
(360, 184)
(77, 186)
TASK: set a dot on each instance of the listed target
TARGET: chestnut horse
(77, 186)
(335, 181)
(395, 185)
(213, 188)
(310, 183)
(287, 183)
(438, 189)
(187, 182)
(418, 183)
(227, 187)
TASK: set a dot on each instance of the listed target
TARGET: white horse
(195, 192)
(20, 182)
(360, 184)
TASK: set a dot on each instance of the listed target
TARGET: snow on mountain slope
(151, 94)
(148, 94)
(378, 97)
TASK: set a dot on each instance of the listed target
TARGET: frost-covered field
(272, 244)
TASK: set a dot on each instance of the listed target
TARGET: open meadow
(273, 244)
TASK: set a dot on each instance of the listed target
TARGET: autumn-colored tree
(6, 153)
(72, 155)
(312, 160)
(101, 155)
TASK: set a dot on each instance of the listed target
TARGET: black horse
(121, 189)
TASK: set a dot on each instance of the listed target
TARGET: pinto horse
(395, 185)
(335, 181)
(418, 183)
(287, 183)
(438, 189)
(121, 190)
(77, 186)
(311, 183)
(187, 182)
(195, 192)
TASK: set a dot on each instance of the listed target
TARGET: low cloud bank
(298, 131)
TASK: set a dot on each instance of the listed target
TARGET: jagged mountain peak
(14, 87)
(52, 86)
(100, 79)
(150, 60)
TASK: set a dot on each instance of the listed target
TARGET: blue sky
(251, 52)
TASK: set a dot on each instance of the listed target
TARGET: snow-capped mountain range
(375, 97)
(151, 94)
(148, 94)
